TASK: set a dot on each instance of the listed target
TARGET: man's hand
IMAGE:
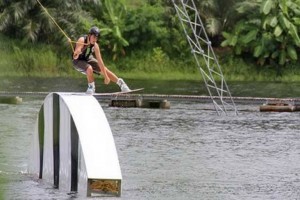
(106, 80)
(76, 54)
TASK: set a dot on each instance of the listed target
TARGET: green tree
(114, 14)
(145, 26)
(154, 24)
(109, 15)
(217, 14)
(268, 31)
(29, 21)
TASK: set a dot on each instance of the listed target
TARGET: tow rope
(63, 32)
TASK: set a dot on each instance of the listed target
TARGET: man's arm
(100, 63)
(79, 46)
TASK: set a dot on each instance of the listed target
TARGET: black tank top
(86, 50)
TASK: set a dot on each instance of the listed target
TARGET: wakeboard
(117, 93)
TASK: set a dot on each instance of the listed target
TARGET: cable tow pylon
(201, 48)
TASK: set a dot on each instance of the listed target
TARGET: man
(85, 62)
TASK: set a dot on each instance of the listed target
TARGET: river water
(186, 152)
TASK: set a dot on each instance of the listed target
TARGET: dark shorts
(82, 65)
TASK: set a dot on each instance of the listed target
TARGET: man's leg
(85, 68)
(89, 74)
(90, 78)
(112, 76)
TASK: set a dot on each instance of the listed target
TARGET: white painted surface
(95, 136)
(97, 154)
(64, 147)
(82, 174)
(48, 140)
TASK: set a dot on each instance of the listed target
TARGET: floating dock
(140, 103)
(280, 106)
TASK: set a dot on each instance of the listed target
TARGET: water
(238, 89)
(186, 152)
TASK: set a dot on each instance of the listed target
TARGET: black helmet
(94, 31)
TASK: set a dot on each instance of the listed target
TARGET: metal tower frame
(201, 47)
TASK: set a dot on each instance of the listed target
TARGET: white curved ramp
(73, 146)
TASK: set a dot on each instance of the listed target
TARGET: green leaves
(249, 37)
(283, 20)
(267, 6)
(216, 14)
(282, 57)
(258, 50)
(275, 39)
(240, 38)
(294, 33)
(28, 21)
(230, 39)
(277, 31)
(114, 13)
(273, 21)
(292, 53)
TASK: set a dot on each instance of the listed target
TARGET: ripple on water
(186, 152)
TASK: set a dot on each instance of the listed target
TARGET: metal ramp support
(73, 147)
(201, 48)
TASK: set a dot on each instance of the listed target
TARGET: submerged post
(73, 146)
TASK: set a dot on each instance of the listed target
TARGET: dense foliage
(28, 20)
(268, 30)
(265, 31)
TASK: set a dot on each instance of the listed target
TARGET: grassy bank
(39, 60)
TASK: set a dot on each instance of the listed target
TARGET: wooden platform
(279, 107)
(140, 103)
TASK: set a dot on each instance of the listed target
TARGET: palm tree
(217, 14)
(26, 19)
(114, 17)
